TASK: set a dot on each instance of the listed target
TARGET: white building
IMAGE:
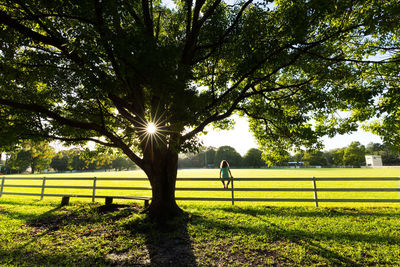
(373, 161)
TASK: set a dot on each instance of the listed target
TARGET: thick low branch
(75, 124)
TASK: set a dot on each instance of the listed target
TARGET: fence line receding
(6, 182)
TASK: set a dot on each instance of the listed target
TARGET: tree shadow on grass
(309, 240)
(320, 212)
(168, 244)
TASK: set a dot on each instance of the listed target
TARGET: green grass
(40, 233)
(36, 233)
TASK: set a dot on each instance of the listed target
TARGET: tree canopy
(104, 70)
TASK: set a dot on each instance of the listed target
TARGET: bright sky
(242, 139)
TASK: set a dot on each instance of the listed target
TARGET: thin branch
(131, 11)
(55, 15)
(192, 36)
(50, 40)
(216, 116)
(123, 108)
(79, 139)
(102, 31)
(337, 59)
(207, 14)
(45, 66)
(228, 31)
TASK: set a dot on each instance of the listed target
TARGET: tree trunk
(161, 171)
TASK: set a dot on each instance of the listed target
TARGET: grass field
(36, 233)
(237, 173)
(40, 233)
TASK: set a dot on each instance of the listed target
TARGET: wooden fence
(313, 188)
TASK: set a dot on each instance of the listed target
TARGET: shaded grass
(43, 234)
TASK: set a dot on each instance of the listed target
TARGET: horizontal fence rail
(6, 182)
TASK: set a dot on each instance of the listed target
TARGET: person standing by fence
(225, 173)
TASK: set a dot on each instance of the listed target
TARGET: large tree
(107, 70)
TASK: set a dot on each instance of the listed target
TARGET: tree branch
(189, 4)
(79, 139)
(104, 39)
(148, 22)
(131, 11)
(191, 37)
(228, 31)
(50, 40)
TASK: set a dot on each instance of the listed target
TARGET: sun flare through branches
(152, 131)
(151, 128)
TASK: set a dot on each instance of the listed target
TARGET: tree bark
(161, 170)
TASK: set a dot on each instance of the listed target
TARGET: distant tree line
(352, 155)
(211, 157)
(40, 156)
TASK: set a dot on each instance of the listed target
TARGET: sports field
(237, 173)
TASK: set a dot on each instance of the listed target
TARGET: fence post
(315, 191)
(94, 189)
(398, 187)
(43, 185)
(2, 185)
(233, 195)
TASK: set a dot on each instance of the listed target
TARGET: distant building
(295, 164)
(373, 161)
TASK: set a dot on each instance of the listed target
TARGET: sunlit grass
(237, 173)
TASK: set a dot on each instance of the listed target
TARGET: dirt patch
(2, 210)
(117, 207)
(171, 251)
(141, 257)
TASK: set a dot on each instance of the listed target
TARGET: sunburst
(152, 131)
(151, 128)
